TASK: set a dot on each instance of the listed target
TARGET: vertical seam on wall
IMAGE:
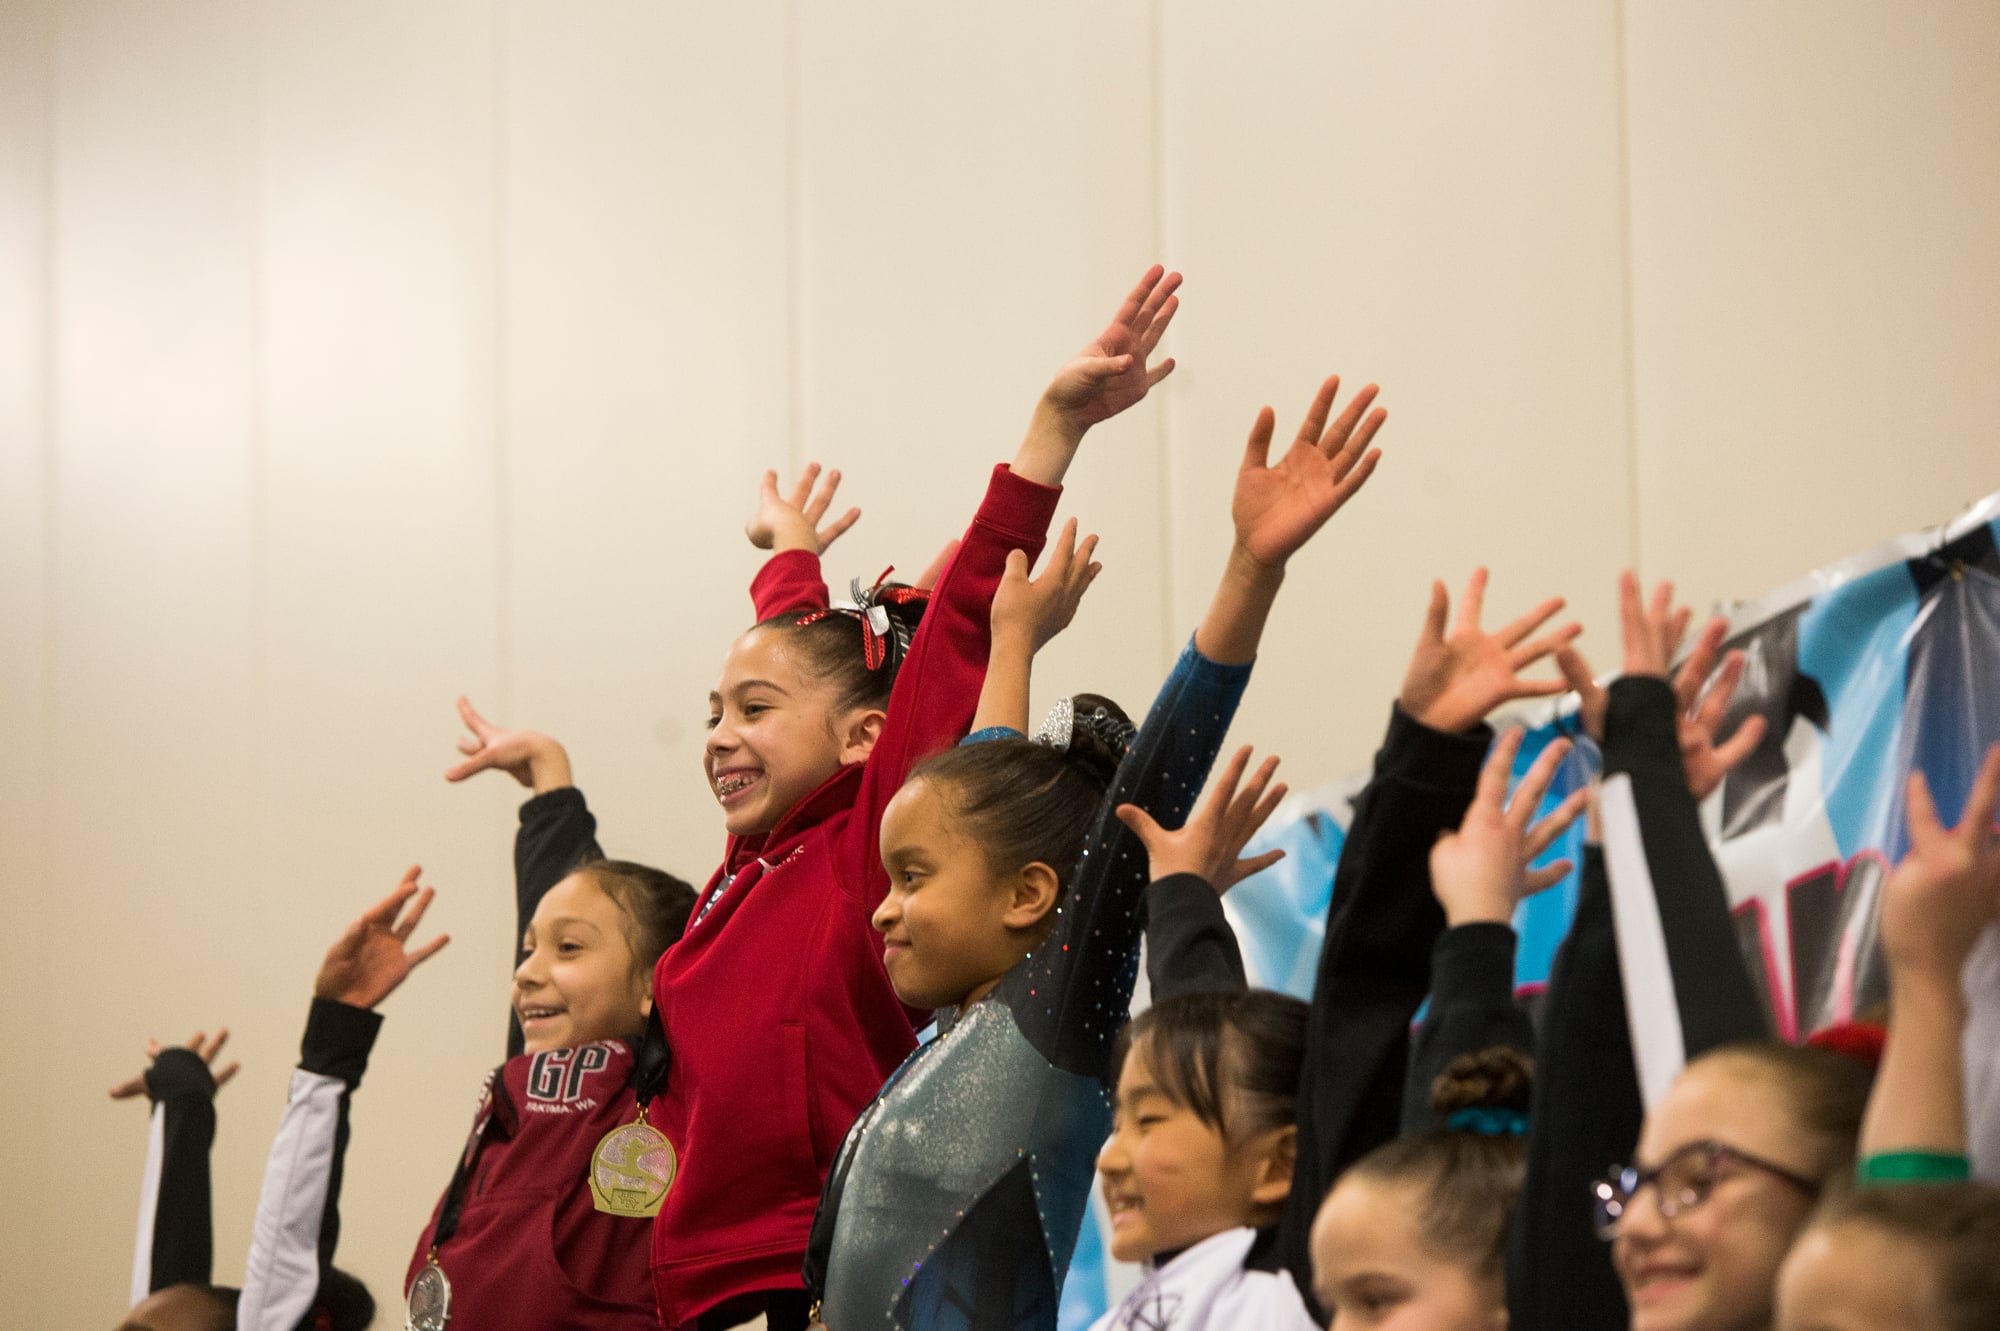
(260, 432)
(795, 444)
(500, 434)
(1163, 431)
(1627, 289)
(51, 422)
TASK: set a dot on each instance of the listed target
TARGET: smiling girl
(776, 1006)
(1013, 906)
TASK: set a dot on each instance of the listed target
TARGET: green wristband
(1892, 1167)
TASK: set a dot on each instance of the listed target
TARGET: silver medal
(429, 1307)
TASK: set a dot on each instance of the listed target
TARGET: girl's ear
(1031, 896)
(1279, 1152)
(858, 733)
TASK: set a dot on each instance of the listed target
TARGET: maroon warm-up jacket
(780, 1018)
(531, 1251)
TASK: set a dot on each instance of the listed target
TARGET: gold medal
(631, 1170)
(429, 1306)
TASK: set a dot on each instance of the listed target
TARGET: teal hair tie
(1489, 1121)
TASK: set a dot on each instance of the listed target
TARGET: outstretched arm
(176, 1230)
(298, 1209)
(1027, 614)
(1934, 908)
(1190, 946)
(557, 832)
(1481, 873)
(1109, 375)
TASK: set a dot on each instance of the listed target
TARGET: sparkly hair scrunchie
(1058, 728)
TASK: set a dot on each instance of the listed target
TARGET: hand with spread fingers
(1653, 629)
(1211, 842)
(530, 757)
(1946, 890)
(795, 521)
(1038, 609)
(1277, 507)
(1112, 372)
(1458, 675)
(368, 961)
(1481, 871)
(204, 1046)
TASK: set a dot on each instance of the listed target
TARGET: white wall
(353, 356)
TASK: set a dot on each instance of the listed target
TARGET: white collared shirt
(1207, 1288)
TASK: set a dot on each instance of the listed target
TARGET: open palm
(1276, 509)
(1112, 372)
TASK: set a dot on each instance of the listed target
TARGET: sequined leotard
(955, 1202)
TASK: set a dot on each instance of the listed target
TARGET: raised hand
(1703, 702)
(1209, 845)
(530, 757)
(1653, 629)
(1276, 509)
(1039, 609)
(368, 961)
(1947, 888)
(793, 522)
(1455, 678)
(1480, 872)
(205, 1047)
(1111, 373)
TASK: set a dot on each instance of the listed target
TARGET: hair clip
(1058, 728)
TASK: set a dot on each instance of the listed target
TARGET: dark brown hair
(1025, 802)
(1469, 1178)
(655, 904)
(1825, 1092)
(1231, 1057)
(1958, 1227)
(832, 644)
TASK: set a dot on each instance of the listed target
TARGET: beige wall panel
(1816, 275)
(646, 387)
(974, 200)
(27, 49)
(1426, 196)
(379, 583)
(153, 639)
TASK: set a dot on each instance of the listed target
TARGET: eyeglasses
(1683, 1181)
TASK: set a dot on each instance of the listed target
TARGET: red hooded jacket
(779, 1015)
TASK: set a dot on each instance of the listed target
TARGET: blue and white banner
(1882, 664)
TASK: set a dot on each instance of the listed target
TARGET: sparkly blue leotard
(955, 1202)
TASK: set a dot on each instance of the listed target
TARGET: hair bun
(1499, 1077)
(1098, 738)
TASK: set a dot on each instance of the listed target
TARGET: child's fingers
(1984, 800)
(1256, 864)
(1738, 746)
(1245, 801)
(1535, 783)
(1257, 450)
(822, 497)
(1547, 645)
(1157, 297)
(834, 530)
(1552, 828)
(1920, 810)
(1340, 436)
(1473, 603)
(1576, 671)
(1708, 708)
(1159, 372)
(210, 1048)
(1140, 822)
(1499, 765)
(1631, 617)
(1350, 484)
(1017, 566)
(1355, 443)
(152, 1047)
(1156, 327)
(474, 722)
(802, 491)
(1693, 675)
(1313, 427)
(1135, 299)
(477, 763)
(1544, 878)
(125, 1090)
(408, 924)
(384, 911)
(222, 1077)
(1438, 613)
(428, 950)
(1518, 628)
